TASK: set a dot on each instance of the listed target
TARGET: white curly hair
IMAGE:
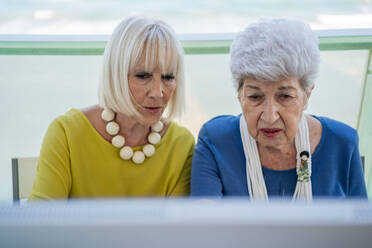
(273, 50)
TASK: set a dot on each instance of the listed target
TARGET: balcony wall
(44, 76)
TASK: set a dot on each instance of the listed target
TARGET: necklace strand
(126, 152)
(255, 180)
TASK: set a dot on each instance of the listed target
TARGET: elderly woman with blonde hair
(127, 145)
(273, 149)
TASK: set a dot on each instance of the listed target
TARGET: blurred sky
(207, 16)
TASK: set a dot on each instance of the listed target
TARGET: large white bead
(157, 127)
(112, 128)
(154, 138)
(107, 115)
(148, 150)
(118, 141)
(126, 152)
(138, 157)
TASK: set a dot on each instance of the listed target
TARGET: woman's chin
(151, 119)
(273, 142)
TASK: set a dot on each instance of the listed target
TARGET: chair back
(23, 173)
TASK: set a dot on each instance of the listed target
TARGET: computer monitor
(186, 223)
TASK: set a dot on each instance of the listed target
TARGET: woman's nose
(270, 112)
(156, 87)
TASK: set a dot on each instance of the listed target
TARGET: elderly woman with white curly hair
(273, 149)
(127, 145)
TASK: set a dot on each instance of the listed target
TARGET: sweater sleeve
(53, 176)
(357, 187)
(182, 187)
(205, 179)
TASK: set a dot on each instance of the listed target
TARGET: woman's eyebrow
(286, 88)
(252, 87)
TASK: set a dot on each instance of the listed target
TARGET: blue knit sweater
(218, 167)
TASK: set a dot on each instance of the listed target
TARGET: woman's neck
(282, 158)
(134, 132)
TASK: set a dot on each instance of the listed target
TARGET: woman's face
(273, 110)
(151, 91)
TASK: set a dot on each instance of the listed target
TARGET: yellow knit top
(76, 161)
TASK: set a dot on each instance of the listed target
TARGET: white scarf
(255, 180)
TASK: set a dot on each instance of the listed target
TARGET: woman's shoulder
(65, 126)
(72, 119)
(176, 131)
(221, 126)
(222, 121)
(71, 116)
(337, 129)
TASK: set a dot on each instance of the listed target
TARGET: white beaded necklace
(126, 152)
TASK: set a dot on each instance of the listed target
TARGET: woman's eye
(143, 75)
(285, 97)
(168, 77)
(255, 97)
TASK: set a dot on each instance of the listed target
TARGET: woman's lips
(153, 109)
(270, 132)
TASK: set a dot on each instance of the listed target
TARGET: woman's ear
(239, 95)
(240, 98)
(240, 91)
(308, 94)
(307, 97)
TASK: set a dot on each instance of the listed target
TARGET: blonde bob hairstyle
(140, 40)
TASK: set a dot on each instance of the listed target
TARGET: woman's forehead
(286, 84)
(156, 53)
(151, 64)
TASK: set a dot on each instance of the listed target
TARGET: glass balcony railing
(44, 76)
